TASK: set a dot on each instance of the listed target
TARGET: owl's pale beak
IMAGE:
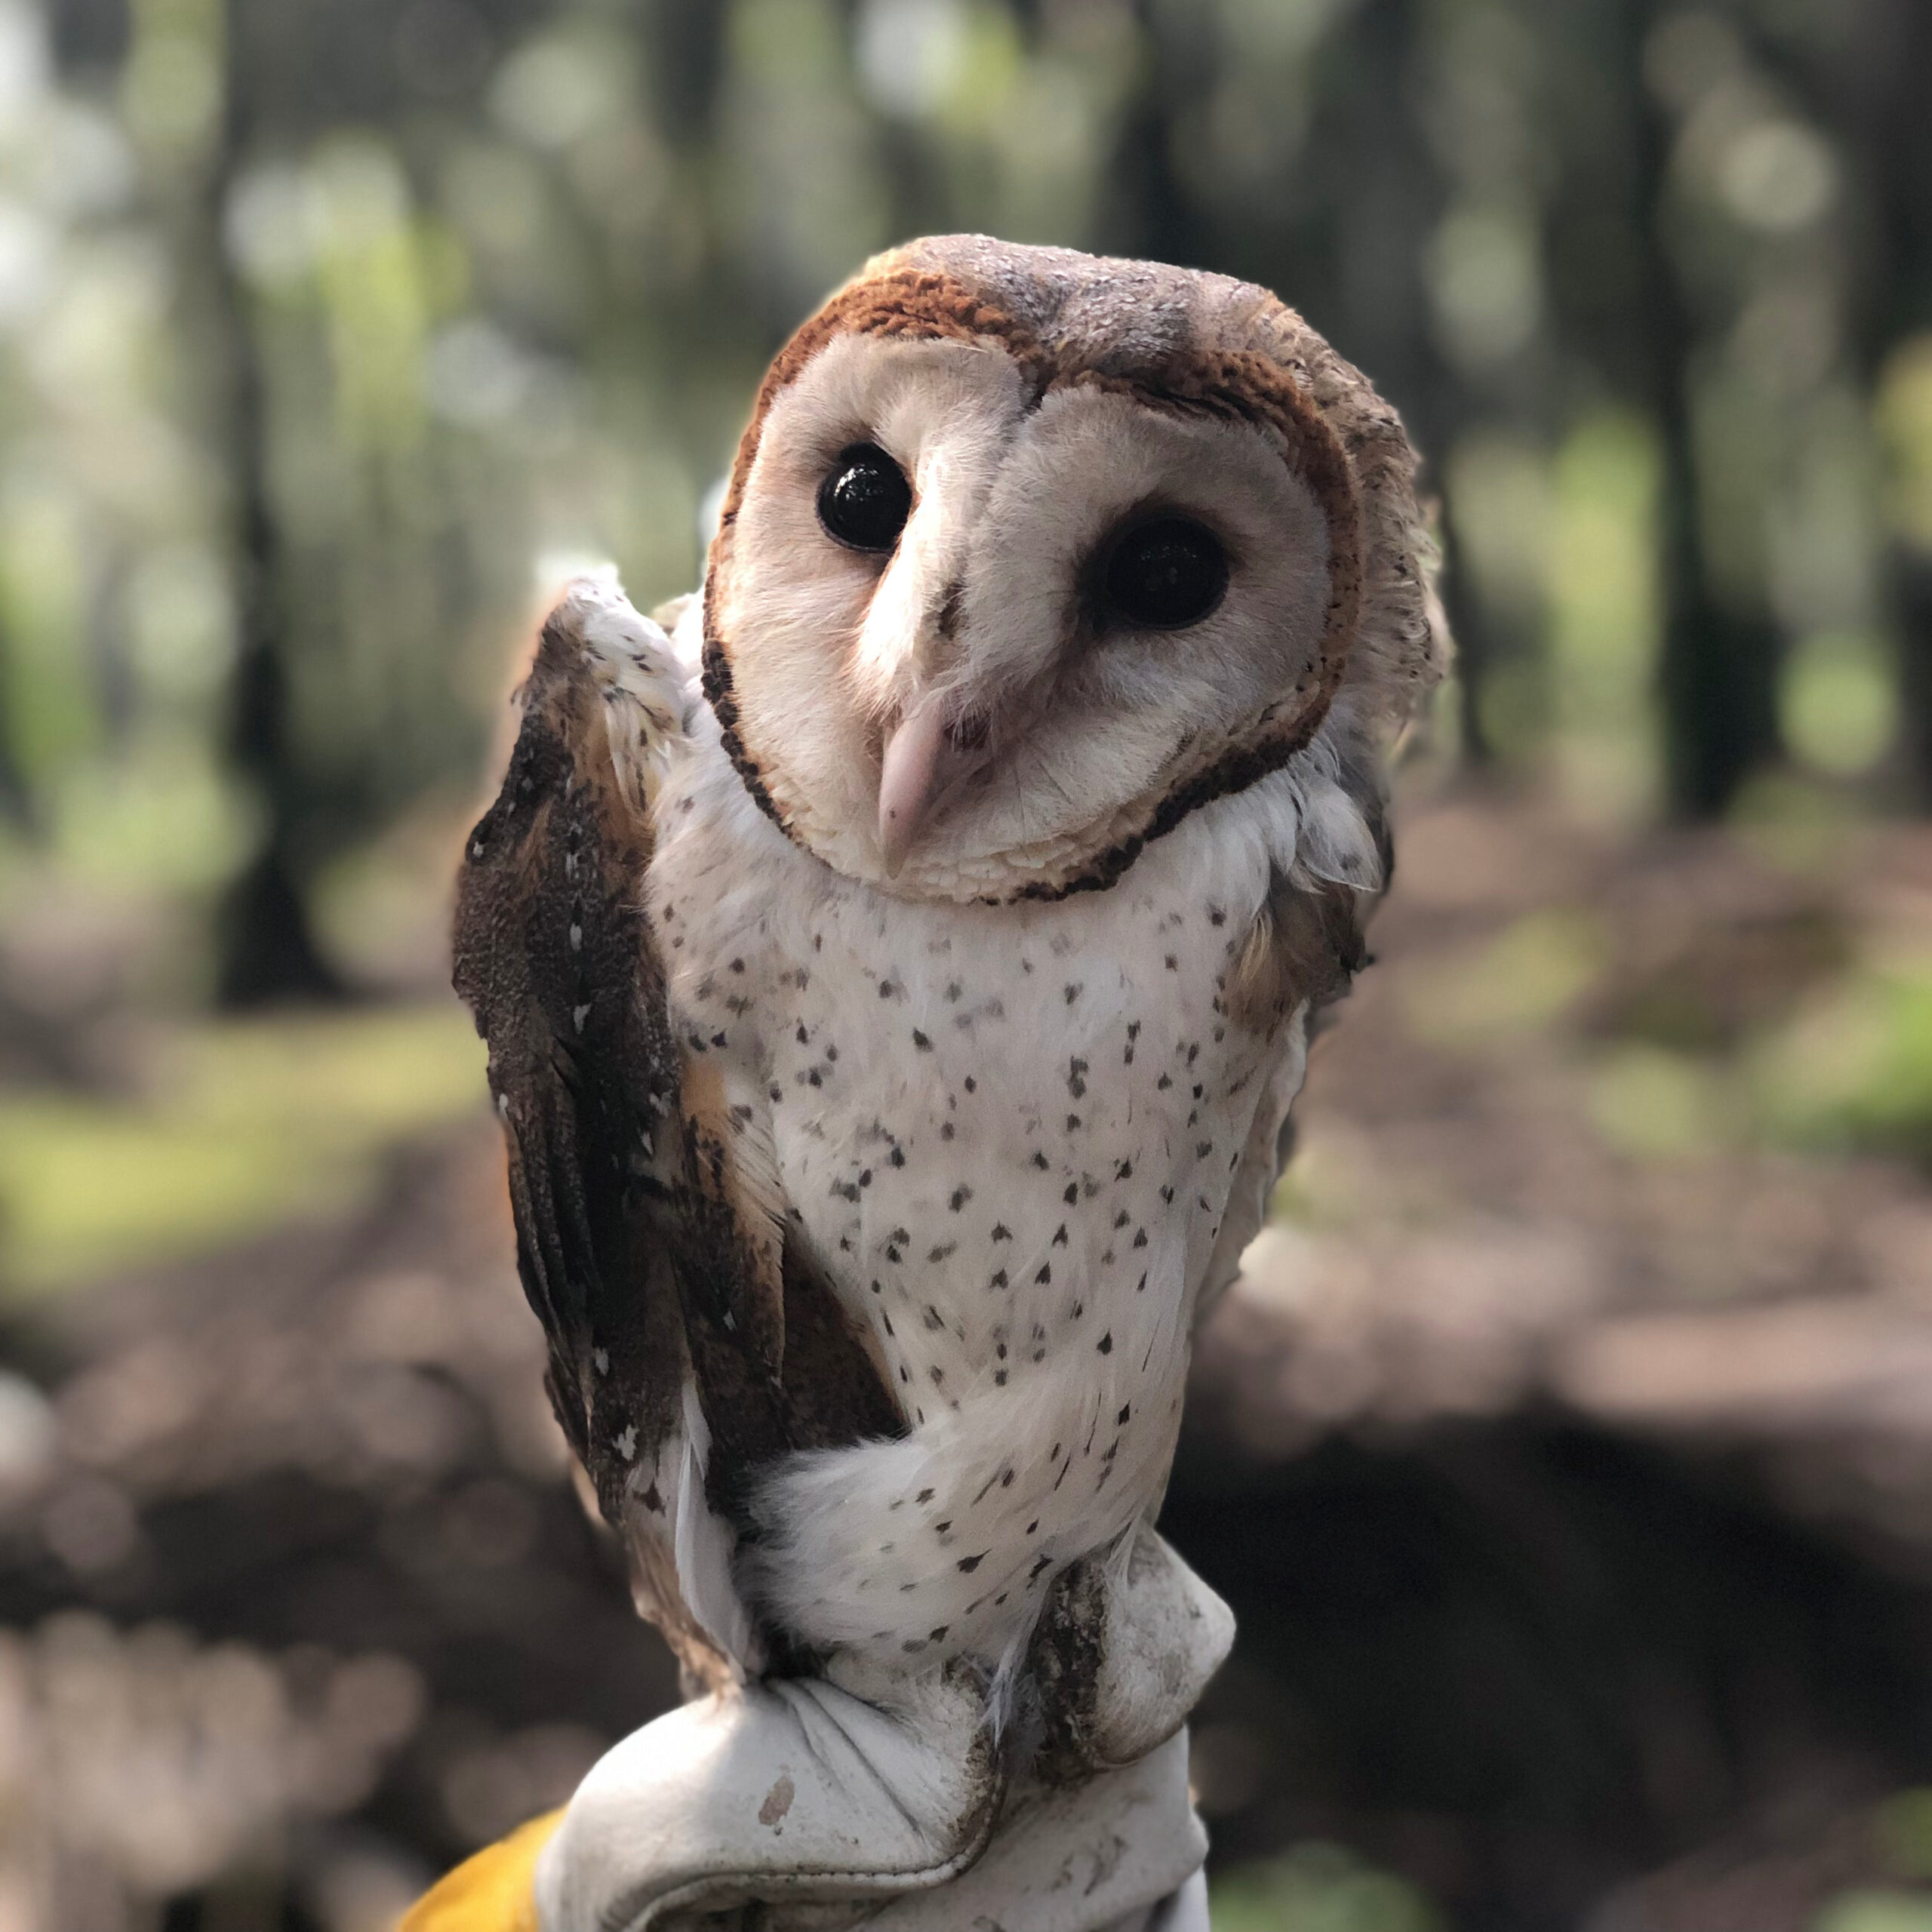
(912, 775)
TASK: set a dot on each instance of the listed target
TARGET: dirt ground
(1566, 1452)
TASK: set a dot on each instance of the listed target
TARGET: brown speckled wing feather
(644, 1240)
(553, 955)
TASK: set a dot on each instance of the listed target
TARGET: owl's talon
(1123, 1652)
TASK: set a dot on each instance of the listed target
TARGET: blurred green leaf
(1855, 1070)
(1656, 1105)
(1604, 615)
(1902, 408)
(1317, 1888)
(242, 1126)
(1876, 1912)
(1516, 984)
(1839, 707)
(1904, 1828)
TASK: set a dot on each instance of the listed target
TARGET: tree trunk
(1718, 666)
(1882, 119)
(266, 951)
(1863, 80)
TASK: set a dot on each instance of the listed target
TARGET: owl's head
(1026, 553)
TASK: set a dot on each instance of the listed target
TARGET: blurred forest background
(333, 333)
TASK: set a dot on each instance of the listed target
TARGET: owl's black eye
(864, 502)
(1165, 575)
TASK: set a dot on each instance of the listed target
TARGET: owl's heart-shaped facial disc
(1026, 555)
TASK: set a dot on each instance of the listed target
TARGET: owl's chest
(999, 1131)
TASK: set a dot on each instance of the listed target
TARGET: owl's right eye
(864, 501)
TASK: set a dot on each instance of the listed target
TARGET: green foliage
(240, 1126)
(1839, 703)
(1877, 1912)
(1319, 1888)
(1655, 1104)
(1856, 1070)
(1519, 983)
(501, 280)
(1904, 1829)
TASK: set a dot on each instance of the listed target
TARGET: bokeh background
(1568, 1451)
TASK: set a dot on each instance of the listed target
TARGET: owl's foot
(1123, 1651)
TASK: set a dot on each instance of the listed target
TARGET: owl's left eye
(864, 501)
(1165, 575)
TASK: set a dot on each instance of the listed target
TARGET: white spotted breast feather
(1019, 1143)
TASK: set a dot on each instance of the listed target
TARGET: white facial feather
(831, 634)
(982, 603)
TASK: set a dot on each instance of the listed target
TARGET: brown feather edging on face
(1243, 385)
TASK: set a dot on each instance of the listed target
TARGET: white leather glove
(815, 1804)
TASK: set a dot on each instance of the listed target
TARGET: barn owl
(897, 971)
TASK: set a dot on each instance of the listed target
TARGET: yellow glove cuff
(492, 1892)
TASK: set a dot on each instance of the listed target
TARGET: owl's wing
(649, 1216)
(553, 954)
(1305, 948)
